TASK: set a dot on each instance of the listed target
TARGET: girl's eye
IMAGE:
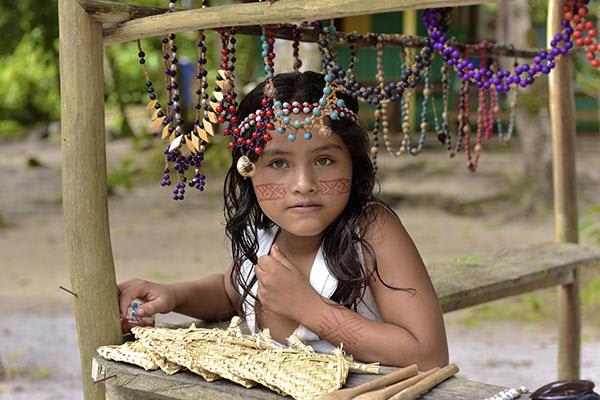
(324, 161)
(277, 164)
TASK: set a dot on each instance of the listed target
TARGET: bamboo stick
(386, 393)
(88, 250)
(426, 384)
(565, 199)
(392, 377)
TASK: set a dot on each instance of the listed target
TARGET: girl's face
(303, 186)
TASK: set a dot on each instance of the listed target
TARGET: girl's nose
(304, 181)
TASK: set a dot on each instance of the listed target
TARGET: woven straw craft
(248, 360)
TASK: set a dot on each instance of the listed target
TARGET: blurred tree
(514, 25)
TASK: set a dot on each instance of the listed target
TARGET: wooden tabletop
(131, 382)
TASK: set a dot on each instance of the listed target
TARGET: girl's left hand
(282, 288)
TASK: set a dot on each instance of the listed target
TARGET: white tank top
(320, 279)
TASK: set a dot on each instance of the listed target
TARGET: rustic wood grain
(260, 13)
(134, 383)
(479, 279)
(83, 165)
(562, 122)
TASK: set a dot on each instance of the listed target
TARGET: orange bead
(579, 42)
(589, 25)
(576, 18)
(590, 56)
(592, 33)
(577, 34)
(582, 11)
(568, 15)
(595, 63)
(587, 40)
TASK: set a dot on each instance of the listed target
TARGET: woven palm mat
(248, 360)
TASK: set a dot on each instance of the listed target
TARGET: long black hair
(245, 217)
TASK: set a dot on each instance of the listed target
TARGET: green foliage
(19, 18)
(29, 80)
(590, 225)
(122, 178)
(10, 129)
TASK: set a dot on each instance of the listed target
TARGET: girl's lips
(306, 208)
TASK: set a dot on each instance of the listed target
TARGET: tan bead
(405, 126)
(424, 125)
(374, 151)
(496, 109)
(385, 123)
(477, 147)
(413, 151)
(402, 150)
(427, 92)
(466, 129)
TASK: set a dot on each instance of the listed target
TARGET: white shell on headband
(245, 167)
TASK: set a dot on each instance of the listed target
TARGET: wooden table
(131, 382)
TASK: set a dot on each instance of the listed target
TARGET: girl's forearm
(204, 299)
(370, 341)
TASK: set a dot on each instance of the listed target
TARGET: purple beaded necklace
(436, 22)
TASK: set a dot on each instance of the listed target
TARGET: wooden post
(565, 199)
(88, 249)
(409, 27)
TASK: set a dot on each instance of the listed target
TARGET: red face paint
(270, 191)
(335, 186)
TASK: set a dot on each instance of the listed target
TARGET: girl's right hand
(158, 298)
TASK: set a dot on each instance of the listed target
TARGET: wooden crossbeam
(479, 279)
(250, 14)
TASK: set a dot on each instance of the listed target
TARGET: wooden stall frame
(88, 247)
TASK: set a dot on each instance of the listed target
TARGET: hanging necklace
(576, 11)
(436, 22)
(442, 129)
(296, 47)
(463, 130)
(423, 125)
(392, 91)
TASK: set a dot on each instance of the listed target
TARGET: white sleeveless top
(320, 279)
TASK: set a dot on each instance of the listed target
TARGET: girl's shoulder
(382, 228)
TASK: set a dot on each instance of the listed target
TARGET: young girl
(314, 252)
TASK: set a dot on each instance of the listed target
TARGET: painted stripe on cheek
(336, 186)
(270, 191)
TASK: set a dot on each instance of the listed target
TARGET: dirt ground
(158, 239)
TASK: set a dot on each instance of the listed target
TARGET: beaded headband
(251, 134)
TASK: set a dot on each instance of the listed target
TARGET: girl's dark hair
(244, 216)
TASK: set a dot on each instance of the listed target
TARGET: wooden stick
(426, 384)
(389, 391)
(83, 165)
(392, 377)
(260, 13)
(562, 120)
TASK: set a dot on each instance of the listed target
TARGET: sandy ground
(158, 239)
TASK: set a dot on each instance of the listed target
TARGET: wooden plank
(131, 382)
(562, 122)
(261, 13)
(88, 250)
(478, 279)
